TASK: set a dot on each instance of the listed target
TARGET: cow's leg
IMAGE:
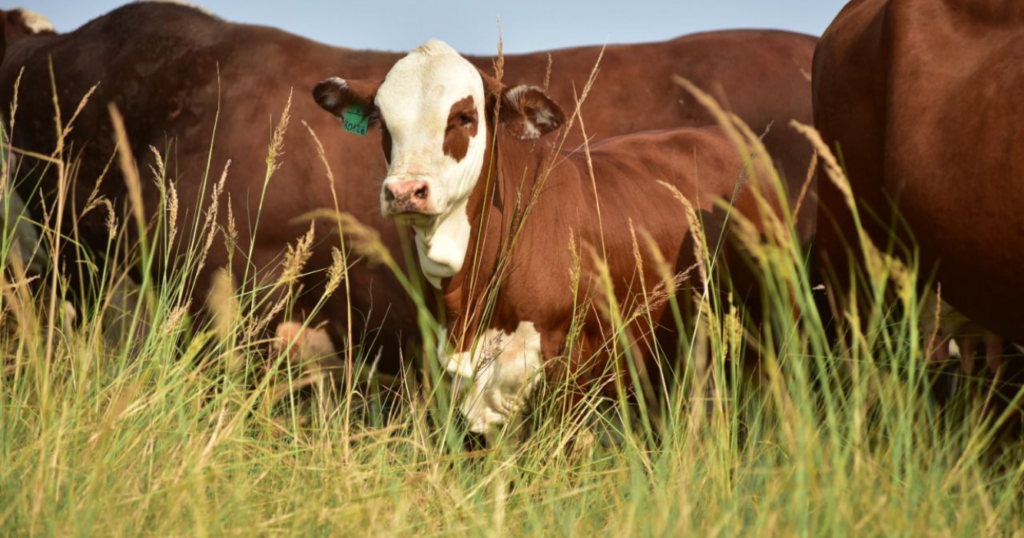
(994, 352)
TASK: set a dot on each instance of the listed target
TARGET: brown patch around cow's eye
(462, 126)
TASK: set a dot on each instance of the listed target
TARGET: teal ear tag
(356, 121)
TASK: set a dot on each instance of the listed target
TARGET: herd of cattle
(509, 192)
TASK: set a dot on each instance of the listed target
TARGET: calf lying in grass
(547, 259)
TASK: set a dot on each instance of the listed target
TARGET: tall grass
(138, 419)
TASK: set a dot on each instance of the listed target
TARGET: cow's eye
(466, 120)
(373, 114)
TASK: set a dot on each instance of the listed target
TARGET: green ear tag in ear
(356, 121)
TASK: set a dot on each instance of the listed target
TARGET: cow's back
(760, 75)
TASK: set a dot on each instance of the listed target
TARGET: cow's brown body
(922, 99)
(168, 66)
(551, 271)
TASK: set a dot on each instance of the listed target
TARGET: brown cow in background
(922, 100)
(168, 67)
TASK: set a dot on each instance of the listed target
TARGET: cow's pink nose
(410, 196)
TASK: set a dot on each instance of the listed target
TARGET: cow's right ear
(336, 95)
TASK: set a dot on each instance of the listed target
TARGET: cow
(15, 25)
(500, 213)
(919, 99)
(170, 68)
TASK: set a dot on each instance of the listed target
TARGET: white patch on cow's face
(414, 101)
(502, 370)
(35, 22)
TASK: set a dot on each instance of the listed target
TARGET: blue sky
(471, 27)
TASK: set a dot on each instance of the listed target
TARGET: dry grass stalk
(932, 343)
(296, 257)
(547, 73)
(111, 221)
(696, 229)
(175, 318)
(593, 178)
(602, 285)
(7, 131)
(210, 224)
(128, 167)
(574, 265)
(276, 148)
(222, 303)
(812, 171)
(661, 265)
(11, 119)
(90, 201)
(665, 290)
(827, 160)
(256, 329)
(365, 239)
(160, 170)
(756, 158)
(636, 253)
(335, 273)
(880, 265)
(172, 211)
(231, 234)
(323, 157)
(81, 105)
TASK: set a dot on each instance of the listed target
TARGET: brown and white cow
(464, 178)
(169, 68)
(921, 99)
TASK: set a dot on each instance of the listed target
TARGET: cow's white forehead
(427, 82)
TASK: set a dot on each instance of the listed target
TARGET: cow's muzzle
(408, 197)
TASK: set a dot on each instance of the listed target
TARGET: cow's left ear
(336, 95)
(528, 113)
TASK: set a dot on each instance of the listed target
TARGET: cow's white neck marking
(442, 247)
(35, 22)
(501, 371)
(415, 100)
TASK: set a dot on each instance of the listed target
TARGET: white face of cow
(432, 107)
(432, 104)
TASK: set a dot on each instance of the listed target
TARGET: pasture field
(132, 417)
